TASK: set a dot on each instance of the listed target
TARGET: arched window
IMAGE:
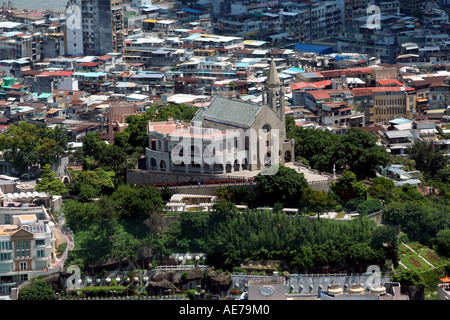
(266, 128)
(162, 165)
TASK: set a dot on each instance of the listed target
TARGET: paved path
(59, 263)
(310, 176)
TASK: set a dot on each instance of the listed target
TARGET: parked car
(27, 176)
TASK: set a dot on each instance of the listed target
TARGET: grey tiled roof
(398, 134)
(228, 111)
(199, 114)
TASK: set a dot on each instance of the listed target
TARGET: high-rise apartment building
(354, 9)
(94, 27)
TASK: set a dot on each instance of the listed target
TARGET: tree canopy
(347, 187)
(37, 289)
(116, 226)
(49, 183)
(285, 187)
(229, 237)
(355, 151)
(428, 158)
(26, 144)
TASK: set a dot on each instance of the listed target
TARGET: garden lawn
(412, 260)
(433, 257)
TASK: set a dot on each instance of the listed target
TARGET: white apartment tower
(74, 29)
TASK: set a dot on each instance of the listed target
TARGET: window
(40, 253)
(7, 219)
(22, 249)
(6, 267)
(5, 245)
(23, 266)
(5, 290)
(266, 128)
(40, 242)
(5, 256)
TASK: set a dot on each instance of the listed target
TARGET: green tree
(290, 124)
(409, 278)
(18, 145)
(98, 179)
(37, 289)
(369, 206)
(286, 186)
(443, 242)
(317, 201)
(357, 151)
(78, 156)
(114, 157)
(420, 220)
(244, 196)
(124, 245)
(443, 175)
(427, 157)
(121, 139)
(312, 144)
(52, 144)
(137, 130)
(93, 145)
(87, 192)
(347, 187)
(384, 234)
(137, 202)
(25, 145)
(79, 215)
(303, 258)
(381, 188)
(49, 183)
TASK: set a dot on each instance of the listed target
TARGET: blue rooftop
(400, 121)
(242, 65)
(190, 10)
(313, 48)
(294, 70)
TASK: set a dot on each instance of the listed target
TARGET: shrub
(191, 294)
(62, 247)
(104, 291)
(37, 289)
(369, 206)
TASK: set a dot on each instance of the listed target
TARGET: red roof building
(390, 82)
(61, 73)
